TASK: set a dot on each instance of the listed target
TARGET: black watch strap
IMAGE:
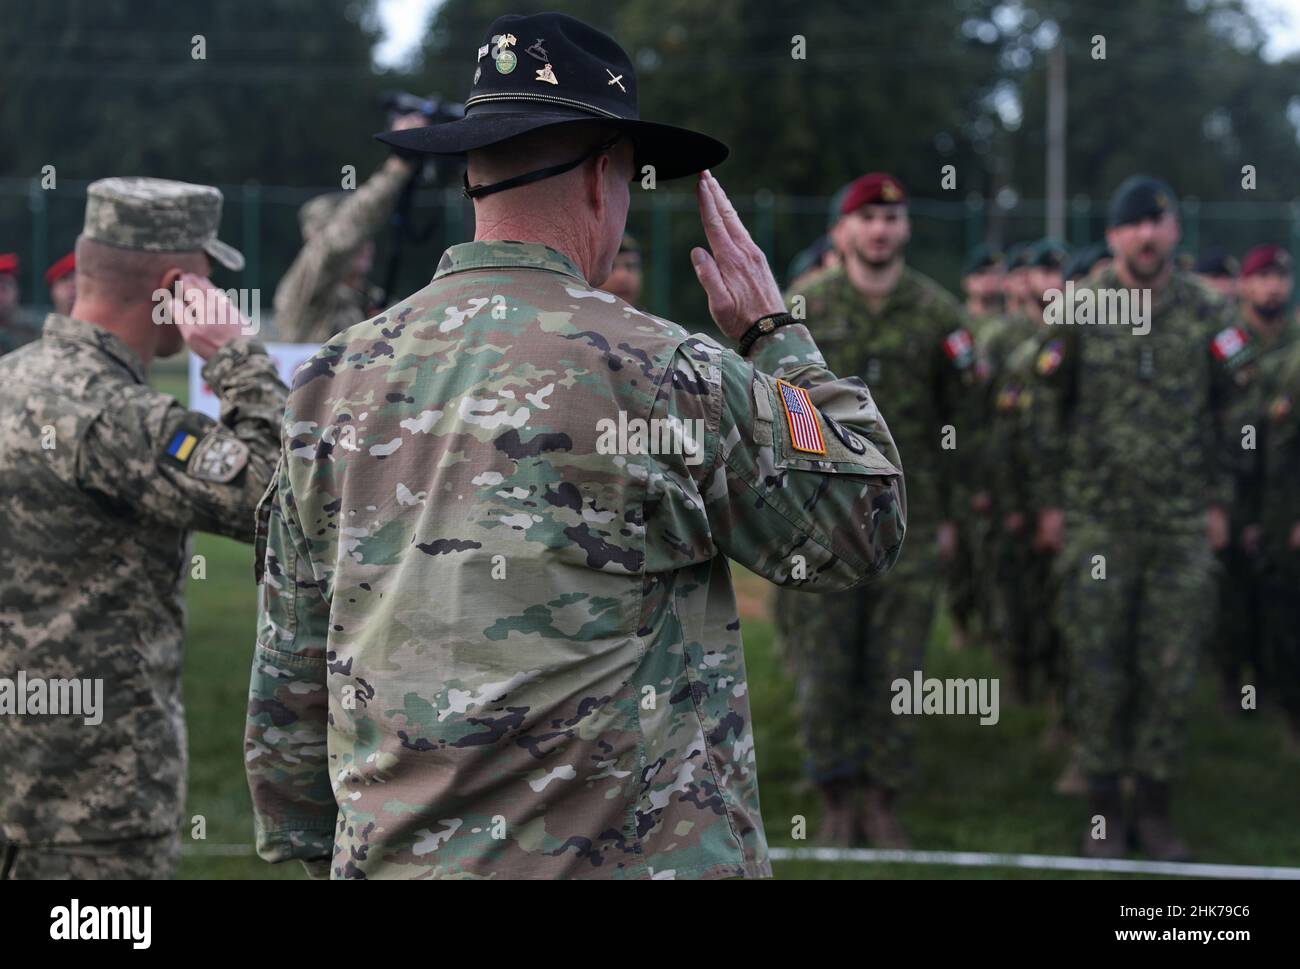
(761, 327)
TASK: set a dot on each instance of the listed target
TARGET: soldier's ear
(169, 278)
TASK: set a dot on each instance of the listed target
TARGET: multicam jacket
(499, 639)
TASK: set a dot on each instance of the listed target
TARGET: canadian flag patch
(959, 347)
(1229, 343)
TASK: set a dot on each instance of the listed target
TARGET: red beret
(9, 262)
(1266, 258)
(873, 188)
(67, 264)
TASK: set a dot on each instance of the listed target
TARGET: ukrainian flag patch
(181, 446)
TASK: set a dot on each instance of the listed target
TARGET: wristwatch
(763, 326)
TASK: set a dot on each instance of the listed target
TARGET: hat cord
(479, 191)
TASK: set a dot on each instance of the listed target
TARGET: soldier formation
(491, 643)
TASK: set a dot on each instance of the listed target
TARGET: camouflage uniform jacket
(312, 303)
(1027, 405)
(1253, 364)
(1144, 415)
(102, 478)
(494, 642)
(1278, 468)
(917, 354)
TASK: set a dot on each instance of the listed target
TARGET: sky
(404, 23)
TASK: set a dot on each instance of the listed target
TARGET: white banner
(287, 357)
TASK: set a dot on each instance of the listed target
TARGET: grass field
(977, 788)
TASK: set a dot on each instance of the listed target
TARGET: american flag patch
(1229, 343)
(805, 431)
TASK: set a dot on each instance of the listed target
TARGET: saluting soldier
(103, 479)
(498, 633)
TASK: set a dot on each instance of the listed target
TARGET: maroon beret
(873, 188)
(1266, 258)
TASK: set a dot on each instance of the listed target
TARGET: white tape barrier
(982, 859)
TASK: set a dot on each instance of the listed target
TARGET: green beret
(980, 258)
(1140, 197)
(1047, 254)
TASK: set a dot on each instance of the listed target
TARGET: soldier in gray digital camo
(498, 635)
(102, 479)
(326, 288)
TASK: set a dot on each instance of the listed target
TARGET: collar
(67, 330)
(497, 254)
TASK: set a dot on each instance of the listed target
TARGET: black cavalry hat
(548, 69)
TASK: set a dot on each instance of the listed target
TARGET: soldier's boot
(880, 821)
(1073, 781)
(1105, 800)
(1152, 824)
(839, 815)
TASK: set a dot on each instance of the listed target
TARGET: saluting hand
(207, 320)
(736, 277)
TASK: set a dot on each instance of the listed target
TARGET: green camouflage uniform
(312, 303)
(1145, 458)
(1279, 510)
(847, 649)
(1005, 554)
(1028, 443)
(102, 479)
(487, 645)
(971, 591)
(1237, 641)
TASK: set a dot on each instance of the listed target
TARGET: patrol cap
(981, 258)
(873, 188)
(66, 265)
(1265, 259)
(1047, 254)
(547, 69)
(158, 215)
(1215, 262)
(9, 263)
(1081, 263)
(1140, 197)
(316, 212)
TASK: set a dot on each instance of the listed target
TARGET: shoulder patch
(1049, 360)
(218, 458)
(1230, 342)
(960, 348)
(801, 415)
(177, 448)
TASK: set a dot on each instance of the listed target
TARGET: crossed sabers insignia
(615, 79)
